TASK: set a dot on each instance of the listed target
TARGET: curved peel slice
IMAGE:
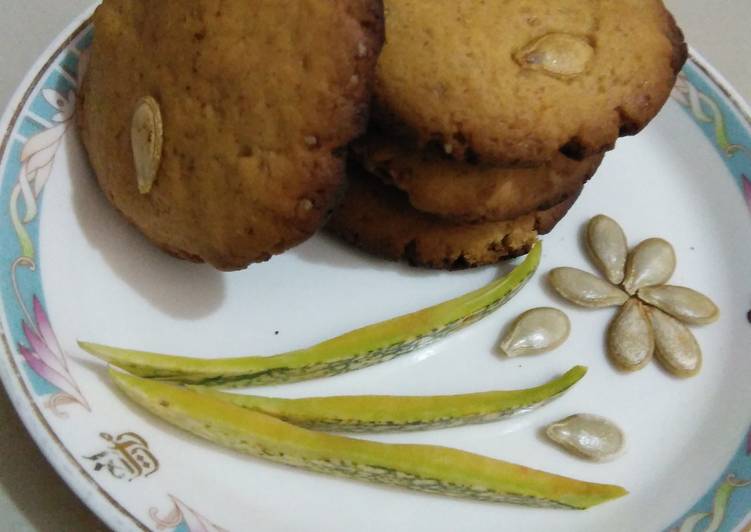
(675, 345)
(585, 289)
(685, 304)
(651, 263)
(426, 468)
(631, 342)
(607, 246)
(370, 413)
(354, 350)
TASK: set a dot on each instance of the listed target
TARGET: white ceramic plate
(72, 269)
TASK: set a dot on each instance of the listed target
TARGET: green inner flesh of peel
(370, 413)
(426, 468)
(354, 350)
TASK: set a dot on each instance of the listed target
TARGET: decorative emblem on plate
(128, 457)
(183, 519)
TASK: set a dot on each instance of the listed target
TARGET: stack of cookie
(217, 128)
(489, 118)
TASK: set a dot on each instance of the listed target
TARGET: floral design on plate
(47, 360)
(706, 109)
(122, 505)
(182, 518)
(746, 189)
(654, 315)
(715, 518)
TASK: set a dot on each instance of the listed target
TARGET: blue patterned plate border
(35, 371)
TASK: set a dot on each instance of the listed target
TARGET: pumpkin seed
(536, 331)
(146, 137)
(557, 54)
(675, 346)
(685, 304)
(631, 342)
(608, 248)
(651, 263)
(588, 436)
(585, 289)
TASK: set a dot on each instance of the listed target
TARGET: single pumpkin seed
(146, 137)
(606, 243)
(588, 436)
(651, 263)
(675, 346)
(536, 331)
(683, 303)
(426, 468)
(631, 342)
(585, 289)
(557, 54)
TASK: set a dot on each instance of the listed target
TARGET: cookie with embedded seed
(517, 81)
(217, 127)
(379, 219)
(471, 193)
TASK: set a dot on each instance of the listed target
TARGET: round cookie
(517, 81)
(469, 193)
(257, 102)
(379, 219)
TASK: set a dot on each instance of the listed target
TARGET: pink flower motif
(746, 183)
(185, 517)
(45, 357)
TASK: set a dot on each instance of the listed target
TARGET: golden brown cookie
(471, 193)
(516, 81)
(379, 219)
(257, 100)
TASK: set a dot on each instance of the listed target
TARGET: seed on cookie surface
(557, 54)
(304, 207)
(146, 137)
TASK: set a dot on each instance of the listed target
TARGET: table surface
(32, 496)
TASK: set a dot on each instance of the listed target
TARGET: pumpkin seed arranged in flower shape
(653, 318)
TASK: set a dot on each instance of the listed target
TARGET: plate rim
(103, 505)
(78, 479)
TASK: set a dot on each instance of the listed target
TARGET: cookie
(514, 82)
(243, 109)
(470, 193)
(379, 219)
